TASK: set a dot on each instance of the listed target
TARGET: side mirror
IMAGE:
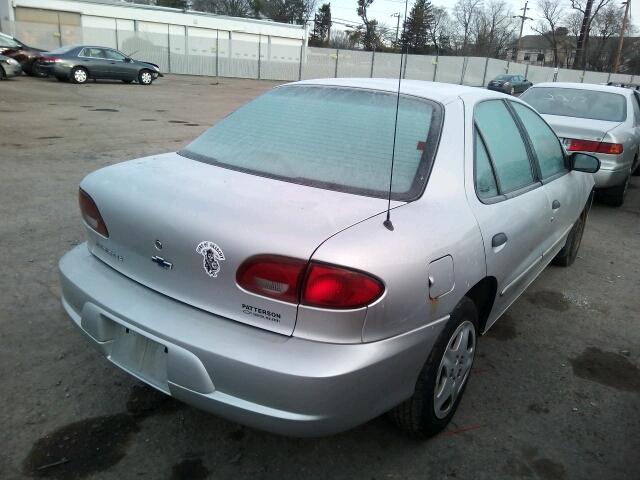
(128, 60)
(583, 162)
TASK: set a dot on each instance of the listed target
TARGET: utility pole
(397, 14)
(579, 59)
(522, 18)
(616, 63)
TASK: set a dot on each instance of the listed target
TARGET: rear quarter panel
(440, 223)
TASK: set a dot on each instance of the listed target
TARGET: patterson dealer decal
(212, 255)
(261, 313)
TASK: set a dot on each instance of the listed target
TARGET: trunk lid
(200, 222)
(579, 128)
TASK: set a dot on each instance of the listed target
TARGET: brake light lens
(91, 214)
(313, 284)
(48, 59)
(577, 145)
(327, 286)
(272, 276)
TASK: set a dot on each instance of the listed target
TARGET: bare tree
(465, 13)
(440, 31)
(605, 25)
(589, 10)
(552, 13)
(492, 29)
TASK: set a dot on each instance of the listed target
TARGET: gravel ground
(555, 393)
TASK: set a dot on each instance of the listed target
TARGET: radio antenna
(387, 223)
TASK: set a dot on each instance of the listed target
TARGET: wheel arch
(483, 295)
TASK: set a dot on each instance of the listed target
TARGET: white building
(178, 41)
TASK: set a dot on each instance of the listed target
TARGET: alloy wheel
(454, 368)
(80, 75)
(146, 78)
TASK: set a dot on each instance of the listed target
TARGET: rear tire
(569, 252)
(145, 77)
(79, 75)
(3, 74)
(614, 196)
(444, 376)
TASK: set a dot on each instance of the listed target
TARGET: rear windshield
(329, 137)
(61, 50)
(580, 103)
(504, 77)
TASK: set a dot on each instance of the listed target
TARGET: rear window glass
(63, 49)
(580, 103)
(329, 137)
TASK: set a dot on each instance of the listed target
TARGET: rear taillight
(272, 276)
(327, 286)
(313, 284)
(577, 145)
(48, 59)
(91, 214)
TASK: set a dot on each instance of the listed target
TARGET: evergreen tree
(417, 26)
(321, 26)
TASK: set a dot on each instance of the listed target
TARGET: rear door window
(485, 179)
(545, 143)
(505, 145)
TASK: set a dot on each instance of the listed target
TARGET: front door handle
(498, 240)
(555, 205)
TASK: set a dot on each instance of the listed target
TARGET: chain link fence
(201, 51)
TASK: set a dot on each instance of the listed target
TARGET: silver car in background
(9, 67)
(598, 119)
(255, 274)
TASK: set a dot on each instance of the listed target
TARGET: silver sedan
(259, 274)
(598, 119)
(9, 67)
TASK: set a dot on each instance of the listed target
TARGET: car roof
(586, 86)
(440, 92)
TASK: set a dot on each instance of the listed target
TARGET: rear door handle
(498, 240)
(555, 205)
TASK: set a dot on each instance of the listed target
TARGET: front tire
(444, 376)
(614, 197)
(145, 77)
(79, 75)
(568, 254)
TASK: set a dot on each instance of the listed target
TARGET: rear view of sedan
(9, 67)
(510, 84)
(282, 280)
(80, 63)
(596, 119)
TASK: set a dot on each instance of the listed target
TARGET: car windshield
(580, 103)
(334, 138)
(504, 77)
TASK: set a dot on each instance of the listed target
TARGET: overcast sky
(382, 10)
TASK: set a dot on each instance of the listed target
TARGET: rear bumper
(605, 178)
(265, 380)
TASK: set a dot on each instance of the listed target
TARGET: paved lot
(555, 393)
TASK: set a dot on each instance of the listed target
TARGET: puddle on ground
(537, 408)
(548, 469)
(177, 121)
(189, 469)
(192, 124)
(81, 448)
(607, 368)
(148, 120)
(549, 299)
(52, 137)
(504, 329)
(104, 110)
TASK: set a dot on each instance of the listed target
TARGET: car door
(508, 202)
(94, 60)
(119, 67)
(562, 188)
